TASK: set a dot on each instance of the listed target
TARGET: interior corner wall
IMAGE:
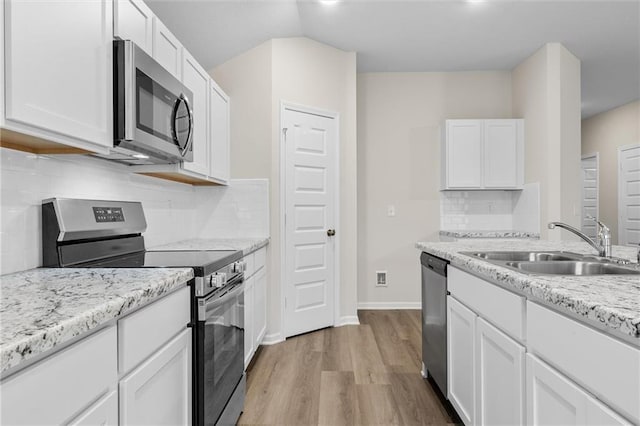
(546, 93)
(399, 119)
(247, 80)
(305, 72)
(604, 133)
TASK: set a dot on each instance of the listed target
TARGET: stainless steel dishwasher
(434, 320)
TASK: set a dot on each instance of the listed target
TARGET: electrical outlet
(381, 278)
(391, 210)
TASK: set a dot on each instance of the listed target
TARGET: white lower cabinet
(499, 378)
(103, 413)
(159, 390)
(57, 389)
(86, 384)
(260, 303)
(249, 346)
(461, 326)
(552, 399)
(255, 303)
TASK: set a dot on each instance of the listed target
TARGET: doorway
(309, 171)
(590, 194)
(629, 195)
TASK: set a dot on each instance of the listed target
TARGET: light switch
(391, 210)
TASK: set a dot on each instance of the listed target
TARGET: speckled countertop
(247, 245)
(464, 233)
(611, 303)
(46, 307)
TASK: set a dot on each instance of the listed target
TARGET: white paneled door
(629, 195)
(310, 167)
(589, 194)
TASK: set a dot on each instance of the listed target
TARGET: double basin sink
(553, 263)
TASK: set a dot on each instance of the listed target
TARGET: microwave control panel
(108, 214)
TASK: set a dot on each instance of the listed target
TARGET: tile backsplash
(490, 210)
(173, 211)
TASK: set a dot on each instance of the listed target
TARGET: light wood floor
(366, 374)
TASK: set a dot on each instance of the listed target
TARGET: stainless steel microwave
(153, 115)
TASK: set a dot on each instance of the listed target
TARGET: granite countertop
(470, 233)
(46, 307)
(247, 245)
(610, 303)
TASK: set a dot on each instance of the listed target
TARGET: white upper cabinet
(483, 154)
(219, 133)
(463, 152)
(167, 50)
(133, 20)
(197, 80)
(58, 71)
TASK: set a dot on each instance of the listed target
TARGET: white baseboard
(272, 339)
(389, 305)
(348, 320)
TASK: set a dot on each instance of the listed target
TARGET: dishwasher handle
(436, 264)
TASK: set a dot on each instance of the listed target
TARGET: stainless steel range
(108, 234)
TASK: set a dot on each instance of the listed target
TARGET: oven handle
(205, 306)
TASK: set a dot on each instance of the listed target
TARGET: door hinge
(284, 131)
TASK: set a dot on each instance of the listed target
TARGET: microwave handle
(180, 100)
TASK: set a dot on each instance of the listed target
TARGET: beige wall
(304, 72)
(247, 80)
(399, 115)
(604, 134)
(546, 93)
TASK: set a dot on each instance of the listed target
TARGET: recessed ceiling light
(329, 2)
(476, 1)
(140, 156)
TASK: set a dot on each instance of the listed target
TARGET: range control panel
(108, 214)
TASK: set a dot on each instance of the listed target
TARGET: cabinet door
(260, 307)
(133, 20)
(502, 151)
(249, 330)
(197, 80)
(58, 64)
(104, 413)
(219, 133)
(167, 50)
(552, 399)
(159, 390)
(460, 359)
(499, 377)
(464, 153)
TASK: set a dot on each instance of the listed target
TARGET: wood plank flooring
(367, 374)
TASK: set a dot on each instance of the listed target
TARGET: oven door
(219, 363)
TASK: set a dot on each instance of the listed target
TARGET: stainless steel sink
(553, 263)
(529, 256)
(572, 268)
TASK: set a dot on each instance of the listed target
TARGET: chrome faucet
(603, 245)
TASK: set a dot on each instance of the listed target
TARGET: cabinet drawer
(143, 332)
(500, 307)
(61, 386)
(260, 258)
(603, 365)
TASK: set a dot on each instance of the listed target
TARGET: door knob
(331, 232)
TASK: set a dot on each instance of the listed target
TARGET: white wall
(173, 211)
(546, 93)
(399, 118)
(305, 72)
(604, 134)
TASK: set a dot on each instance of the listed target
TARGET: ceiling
(428, 35)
